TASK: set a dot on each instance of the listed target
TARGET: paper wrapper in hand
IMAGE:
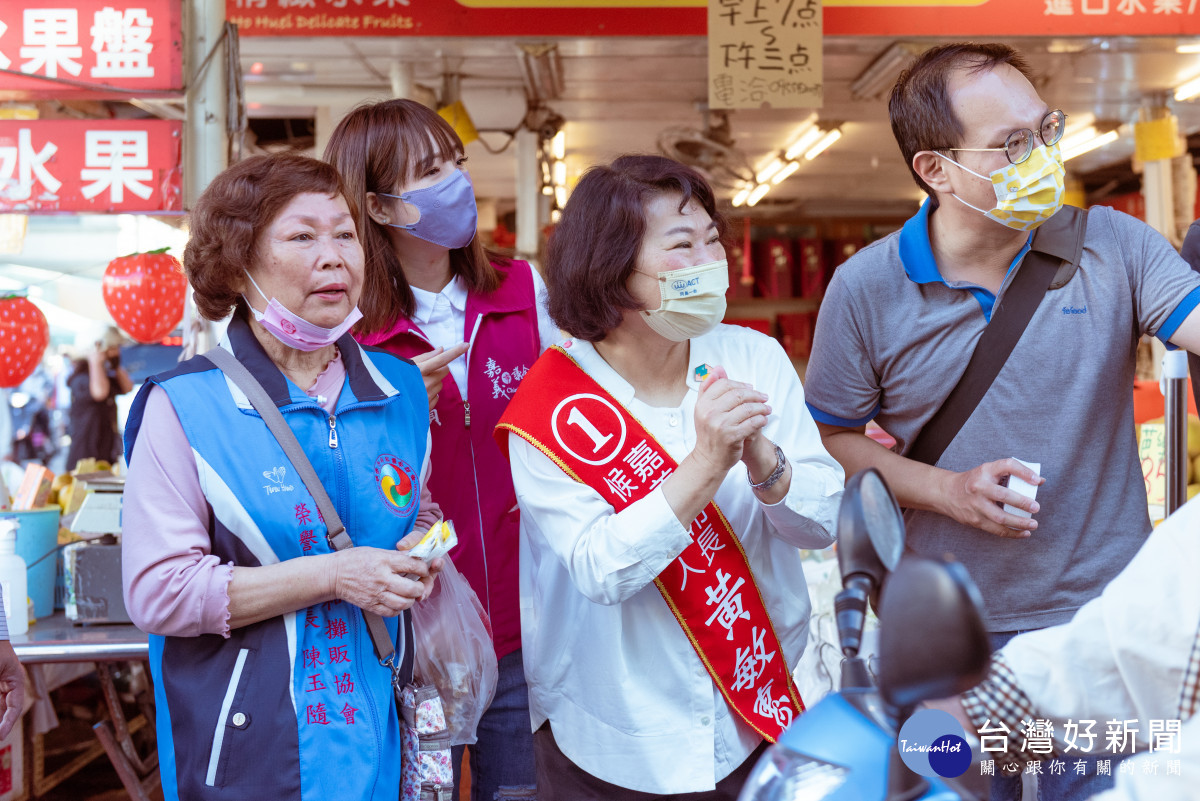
(438, 541)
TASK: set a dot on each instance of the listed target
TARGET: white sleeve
(807, 515)
(608, 555)
(548, 332)
(1125, 654)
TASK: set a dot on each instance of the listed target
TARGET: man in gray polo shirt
(902, 317)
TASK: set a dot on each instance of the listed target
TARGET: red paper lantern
(24, 335)
(144, 293)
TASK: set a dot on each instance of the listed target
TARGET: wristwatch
(770, 480)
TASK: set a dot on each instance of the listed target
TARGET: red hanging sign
(89, 48)
(710, 588)
(90, 165)
(892, 18)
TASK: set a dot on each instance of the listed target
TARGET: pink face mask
(293, 330)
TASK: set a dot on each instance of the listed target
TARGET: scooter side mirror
(933, 642)
(870, 542)
(870, 530)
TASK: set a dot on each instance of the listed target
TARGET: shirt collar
(916, 251)
(586, 356)
(454, 292)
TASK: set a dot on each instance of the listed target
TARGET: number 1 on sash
(575, 417)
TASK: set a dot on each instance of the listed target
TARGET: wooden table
(56, 639)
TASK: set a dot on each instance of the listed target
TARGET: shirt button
(239, 719)
(674, 421)
(704, 721)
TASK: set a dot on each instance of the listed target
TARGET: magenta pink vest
(471, 479)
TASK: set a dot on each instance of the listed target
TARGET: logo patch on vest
(276, 476)
(397, 484)
(504, 382)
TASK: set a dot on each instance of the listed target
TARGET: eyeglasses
(1019, 144)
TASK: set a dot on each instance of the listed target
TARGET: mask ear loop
(967, 169)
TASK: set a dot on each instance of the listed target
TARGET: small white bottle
(13, 579)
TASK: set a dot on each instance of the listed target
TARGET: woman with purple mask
(475, 323)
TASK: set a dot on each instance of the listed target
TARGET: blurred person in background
(31, 404)
(95, 382)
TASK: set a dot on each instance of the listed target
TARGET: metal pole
(205, 143)
(205, 134)
(1175, 371)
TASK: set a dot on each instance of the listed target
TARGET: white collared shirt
(608, 665)
(442, 316)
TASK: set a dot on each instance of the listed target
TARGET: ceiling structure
(619, 94)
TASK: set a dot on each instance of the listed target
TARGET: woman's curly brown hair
(233, 212)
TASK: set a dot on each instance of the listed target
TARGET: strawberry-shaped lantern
(144, 293)
(23, 338)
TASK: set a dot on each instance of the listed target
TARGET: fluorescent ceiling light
(560, 173)
(742, 194)
(1188, 90)
(806, 140)
(786, 172)
(560, 196)
(880, 75)
(558, 145)
(1091, 144)
(765, 174)
(757, 194)
(1074, 138)
(1194, 47)
(827, 140)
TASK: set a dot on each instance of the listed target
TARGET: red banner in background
(90, 166)
(118, 49)
(892, 18)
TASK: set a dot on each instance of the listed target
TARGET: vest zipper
(332, 431)
(466, 413)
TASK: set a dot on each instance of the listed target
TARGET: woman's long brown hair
(376, 148)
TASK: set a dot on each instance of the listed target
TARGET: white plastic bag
(454, 652)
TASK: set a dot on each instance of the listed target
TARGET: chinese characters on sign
(764, 53)
(1152, 448)
(63, 43)
(1079, 745)
(90, 165)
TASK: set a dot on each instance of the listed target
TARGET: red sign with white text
(90, 166)
(894, 18)
(89, 48)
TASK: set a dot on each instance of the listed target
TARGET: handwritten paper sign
(765, 53)
(1152, 448)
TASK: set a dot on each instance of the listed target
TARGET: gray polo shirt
(893, 338)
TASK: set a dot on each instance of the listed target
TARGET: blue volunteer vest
(298, 706)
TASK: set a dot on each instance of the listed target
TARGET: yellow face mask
(1027, 194)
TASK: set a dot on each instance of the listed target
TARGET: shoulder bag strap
(338, 538)
(1034, 277)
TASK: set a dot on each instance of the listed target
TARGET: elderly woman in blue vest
(267, 682)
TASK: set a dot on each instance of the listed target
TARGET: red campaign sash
(709, 587)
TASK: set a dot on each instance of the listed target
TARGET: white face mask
(693, 300)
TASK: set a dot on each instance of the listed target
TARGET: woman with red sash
(668, 474)
(475, 323)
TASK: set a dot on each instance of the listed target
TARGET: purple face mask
(448, 214)
(293, 330)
